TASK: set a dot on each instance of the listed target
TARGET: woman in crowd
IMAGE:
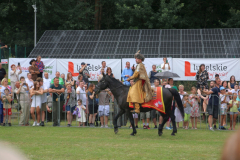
(202, 77)
(233, 104)
(231, 83)
(36, 93)
(69, 97)
(195, 99)
(14, 76)
(92, 104)
(177, 112)
(70, 80)
(33, 69)
(109, 72)
(40, 66)
(80, 78)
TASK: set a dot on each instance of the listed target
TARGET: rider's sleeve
(135, 75)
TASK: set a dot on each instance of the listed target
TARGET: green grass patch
(100, 143)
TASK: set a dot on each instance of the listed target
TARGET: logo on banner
(211, 68)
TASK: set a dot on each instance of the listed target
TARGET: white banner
(74, 65)
(187, 68)
(50, 66)
(148, 62)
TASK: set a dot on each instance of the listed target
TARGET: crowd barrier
(23, 114)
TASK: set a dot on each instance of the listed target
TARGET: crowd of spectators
(39, 97)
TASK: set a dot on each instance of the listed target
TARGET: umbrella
(167, 74)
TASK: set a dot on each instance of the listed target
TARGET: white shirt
(233, 91)
(224, 105)
(30, 83)
(47, 82)
(82, 95)
(166, 67)
(14, 76)
(44, 95)
(105, 70)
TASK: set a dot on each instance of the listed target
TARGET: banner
(50, 66)
(187, 68)
(148, 62)
(74, 65)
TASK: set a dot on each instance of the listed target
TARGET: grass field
(101, 143)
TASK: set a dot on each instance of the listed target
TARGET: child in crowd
(233, 104)
(81, 108)
(195, 107)
(224, 100)
(187, 110)
(7, 111)
(177, 112)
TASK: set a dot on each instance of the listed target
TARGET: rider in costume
(141, 91)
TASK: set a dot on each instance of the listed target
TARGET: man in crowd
(151, 74)
(127, 72)
(46, 80)
(22, 92)
(103, 67)
(81, 94)
(33, 69)
(213, 103)
(61, 81)
(29, 80)
(165, 66)
(44, 99)
(83, 71)
(57, 89)
(2, 72)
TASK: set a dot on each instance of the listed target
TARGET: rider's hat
(139, 56)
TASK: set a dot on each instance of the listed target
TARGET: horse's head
(102, 84)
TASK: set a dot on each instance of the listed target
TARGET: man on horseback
(141, 91)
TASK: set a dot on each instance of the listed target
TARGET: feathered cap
(139, 56)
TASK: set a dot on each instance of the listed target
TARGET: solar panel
(153, 43)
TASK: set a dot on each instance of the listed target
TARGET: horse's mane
(114, 80)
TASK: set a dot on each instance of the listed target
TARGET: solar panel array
(176, 43)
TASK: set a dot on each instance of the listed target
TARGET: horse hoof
(160, 134)
(173, 134)
(116, 131)
(133, 134)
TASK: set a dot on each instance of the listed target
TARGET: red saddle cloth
(156, 103)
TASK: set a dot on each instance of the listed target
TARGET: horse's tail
(178, 100)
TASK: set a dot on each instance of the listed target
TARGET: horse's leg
(120, 113)
(160, 128)
(174, 124)
(130, 116)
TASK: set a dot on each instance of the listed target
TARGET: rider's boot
(137, 108)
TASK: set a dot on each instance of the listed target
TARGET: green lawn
(100, 143)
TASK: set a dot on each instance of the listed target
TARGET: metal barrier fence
(58, 111)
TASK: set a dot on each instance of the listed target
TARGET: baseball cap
(82, 63)
(222, 88)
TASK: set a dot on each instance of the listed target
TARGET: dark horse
(120, 93)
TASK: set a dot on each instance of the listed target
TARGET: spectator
(81, 93)
(29, 80)
(143, 116)
(127, 72)
(81, 108)
(224, 100)
(213, 102)
(103, 67)
(232, 82)
(22, 92)
(233, 104)
(60, 80)
(235, 89)
(7, 109)
(63, 78)
(36, 93)
(103, 109)
(202, 77)
(92, 104)
(14, 75)
(135, 115)
(165, 66)
(56, 89)
(152, 73)
(69, 97)
(177, 112)
(43, 99)
(83, 71)
(153, 112)
(49, 106)
(109, 72)
(40, 66)
(195, 99)
(187, 110)
(33, 69)
(164, 83)
(46, 80)
(224, 84)
(2, 72)
(80, 79)
(212, 84)
(70, 80)
(217, 76)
